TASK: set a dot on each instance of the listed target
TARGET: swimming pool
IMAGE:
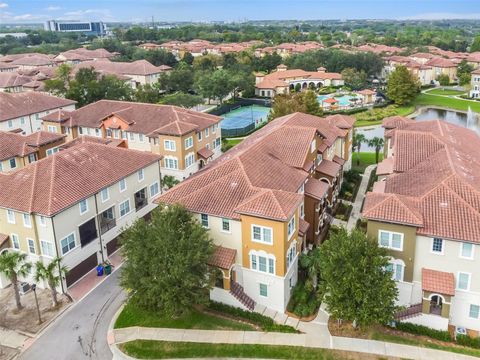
(243, 120)
(343, 100)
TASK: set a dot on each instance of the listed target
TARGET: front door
(436, 305)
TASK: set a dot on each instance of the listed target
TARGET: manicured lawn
(453, 103)
(133, 316)
(423, 343)
(445, 92)
(233, 142)
(148, 349)
(366, 158)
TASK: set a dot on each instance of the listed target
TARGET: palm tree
(377, 143)
(358, 139)
(51, 273)
(14, 265)
(169, 181)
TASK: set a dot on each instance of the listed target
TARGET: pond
(470, 120)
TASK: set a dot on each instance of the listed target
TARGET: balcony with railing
(141, 199)
(106, 220)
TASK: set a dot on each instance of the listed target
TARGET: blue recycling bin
(99, 270)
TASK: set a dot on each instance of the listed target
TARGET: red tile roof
(222, 258)
(14, 144)
(205, 153)
(281, 78)
(316, 189)
(329, 168)
(59, 181)
(303, 227)
(93, 139)
(439, 282)
(3, 239)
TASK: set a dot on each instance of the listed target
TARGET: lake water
(454, 117)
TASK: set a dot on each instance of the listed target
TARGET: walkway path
(357, 205)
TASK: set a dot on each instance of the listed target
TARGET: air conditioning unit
(460, 331)
(24, 288)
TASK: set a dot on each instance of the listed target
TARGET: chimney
(321, 69)
(281, 67)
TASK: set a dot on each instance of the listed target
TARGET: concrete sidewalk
(12, 339)
(357, 205)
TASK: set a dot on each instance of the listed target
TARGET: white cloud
(442, 16)
(3, 5)
(53, 8)
(87, 14)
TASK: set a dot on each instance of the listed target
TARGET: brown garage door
(113, 245)
(81, 269)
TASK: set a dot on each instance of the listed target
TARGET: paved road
(81, 333)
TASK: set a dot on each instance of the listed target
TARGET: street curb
(116, 352)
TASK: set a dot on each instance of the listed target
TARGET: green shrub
(352, 175)
(468, 341)
(424, 330)
(303, 302)
(266, 323)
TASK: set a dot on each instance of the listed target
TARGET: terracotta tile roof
(3, 239)
(59, 181)
(34, 60)
(385, 167)
(440, 62)
(367, 92)
(379, 187)
(14, 144)
(142, 118)
(281, 78)
(316, 189)
(205, 153)
(239, 182)
(341, 121)
(329, 168)
(20, 104)
(439, 282)
(83, 54)
(92, 139)
(59, 116)
(303, 227)
(393, 122)
(222, 258)
(338, 160)
(437, 170)
(139, 67)
(12, 79)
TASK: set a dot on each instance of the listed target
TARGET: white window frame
(120, 208)
(170, 160)
(124, 182)
(103, 197)
(313, 146)
(199, 136)
(43, 221)
(48, 243)
(52, 128)
(172, 145)
(189, 160)
(141, 138)
(84, 201)
(470, 311)
(270, 262)
(472, 254)
(395, 263)
(437, 252)
(17, 242)
(226, 221)
(468, 283)
(291, 254)
(291, 227)
(74, 242)
(207, 132)
(11, 216)
(131, 136)
(390, 240)
(205, 217)
(27, 223)
(188, 142)
(151, 186)
(14, 163)
(262, 234)
(31, 241)
(141, 175)
(260, 290)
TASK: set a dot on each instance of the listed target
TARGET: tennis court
(243, 120)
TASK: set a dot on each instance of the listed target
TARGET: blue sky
(234, 10)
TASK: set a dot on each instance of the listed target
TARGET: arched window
(397, 268)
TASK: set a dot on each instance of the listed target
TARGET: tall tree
(181, 99)
(305, 101)
(402, 86)
(354, 79)
(377, 143)
(355, 280)
(14, 265)
(148, 93)
(476, 44)
(166, 268)
(358, 140)
(443, 79)
(464, 72)
(52, 273)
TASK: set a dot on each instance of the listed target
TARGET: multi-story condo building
(97, 28)
(17, 151)
(186, 139)
(75, 203)
(425, 210)
(24, 110)
(265, 201)
(475, 82)
(282, 81)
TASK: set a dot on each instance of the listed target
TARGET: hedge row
(423, 330)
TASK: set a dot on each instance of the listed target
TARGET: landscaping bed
(415, 336)
(304, 303)
(149, 349)
(351, 182)
(343, 211)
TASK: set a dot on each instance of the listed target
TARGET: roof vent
(443, 204)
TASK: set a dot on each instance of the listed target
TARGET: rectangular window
(52, 128)
(10, 124)
(437, 246)
(204, 218)
(47, 248)
(226, 225)
(313, 146)
(271, 266)
(124, 208)
(263, 290)
(27, 222)
(10, 217)
(52, 151)
(262, 234)
(262, 264)
(171, 163)
(253, 262)
(466, 250)
(474, 311)
(463, 281)
(98, 133)
(188, 142)
(67, 243)
(131, 136)
(13, 163)
(43, 221)
(189, 160)
(291, 226)
(141, 138)
(87, 232)
(154, 189)
(31, 246)
(104, 195)
(15, 241)
(141, 175)
(122, 184)
(83, 206)
(199, 136)
(206, 132)
(169, 145)
(390, 240)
